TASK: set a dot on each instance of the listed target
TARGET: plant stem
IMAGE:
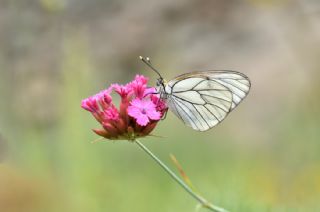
(199, 198)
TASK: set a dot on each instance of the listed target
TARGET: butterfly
(202, 99)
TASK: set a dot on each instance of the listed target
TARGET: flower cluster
(140, 110)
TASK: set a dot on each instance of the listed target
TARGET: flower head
(140, 110)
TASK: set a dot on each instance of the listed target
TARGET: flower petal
(153, 114)
(141, 79)
(134, 112)
(111, 113)
(142, 120)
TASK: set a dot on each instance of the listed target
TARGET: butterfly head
(160, 82)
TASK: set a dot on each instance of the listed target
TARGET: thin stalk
(196, 196)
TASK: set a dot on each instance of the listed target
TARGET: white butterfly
(202, 99)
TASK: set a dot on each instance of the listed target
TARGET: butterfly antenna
(147, 61)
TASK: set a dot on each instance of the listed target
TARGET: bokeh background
(53, 53)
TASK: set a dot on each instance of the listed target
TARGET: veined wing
(203, 99)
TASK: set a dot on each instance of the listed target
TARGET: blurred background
(53, 53)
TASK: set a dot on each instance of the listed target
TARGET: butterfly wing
(203, 99)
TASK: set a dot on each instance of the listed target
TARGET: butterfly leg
(165, 115)
(152, 93)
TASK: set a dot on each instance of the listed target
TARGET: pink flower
(122, 90)
(101, 99)
(101, 107)
(111, 113)
(143, 111)
(141, 79)
(160, 104)
(139, 85)
(90, 104)
(140, 110)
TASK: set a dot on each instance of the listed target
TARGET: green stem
(199, 198)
